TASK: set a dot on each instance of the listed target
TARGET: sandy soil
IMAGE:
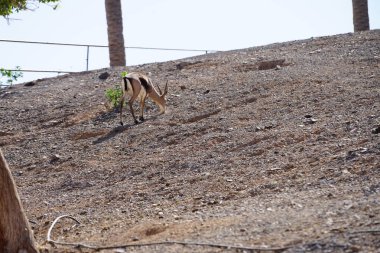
(267, 147)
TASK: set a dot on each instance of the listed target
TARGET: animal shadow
(117, 130)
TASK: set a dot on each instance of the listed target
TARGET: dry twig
(365, 231)
(82, 245)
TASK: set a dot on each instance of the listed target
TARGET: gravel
(271, 147)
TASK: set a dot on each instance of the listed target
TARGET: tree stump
(16, 235)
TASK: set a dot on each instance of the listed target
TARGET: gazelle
(139, 86)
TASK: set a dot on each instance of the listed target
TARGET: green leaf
(7, 7)
(10, 76)
(124, 74)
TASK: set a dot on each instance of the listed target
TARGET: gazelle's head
(161, 99)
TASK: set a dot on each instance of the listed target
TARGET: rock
(310, 121)
(315, 51)
(55, 158)
(5, 133)
(329, 222)
(265, 65)
(355, 249)
(376, 130)
(18, 173)
(29, 84)
(351, 155)
(182, 65)
(104, 76)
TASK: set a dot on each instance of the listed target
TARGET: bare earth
(248, 154)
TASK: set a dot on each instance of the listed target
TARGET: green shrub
(113, 95)
(10, 75)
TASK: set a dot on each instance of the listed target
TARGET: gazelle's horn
(159, 89)
(166, 88)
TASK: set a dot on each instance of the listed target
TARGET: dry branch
(16, 235)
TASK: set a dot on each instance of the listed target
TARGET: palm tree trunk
(115, 33)
(360, 15)
(15, 233)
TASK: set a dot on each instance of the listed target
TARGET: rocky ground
(272, 148)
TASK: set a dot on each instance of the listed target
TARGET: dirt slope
(283, 155)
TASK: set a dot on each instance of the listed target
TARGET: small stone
(32, 167)
(355, 249)
(329, 222)
(206, 174)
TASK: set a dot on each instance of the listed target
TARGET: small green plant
(124, 74)
(114, 94)
(10, 75)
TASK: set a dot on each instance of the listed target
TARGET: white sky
(189, 24)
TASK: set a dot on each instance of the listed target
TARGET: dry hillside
(266, 147)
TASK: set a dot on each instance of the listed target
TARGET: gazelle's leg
(136, 87)
(130, 102)
(122, 100)
(142, 105)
